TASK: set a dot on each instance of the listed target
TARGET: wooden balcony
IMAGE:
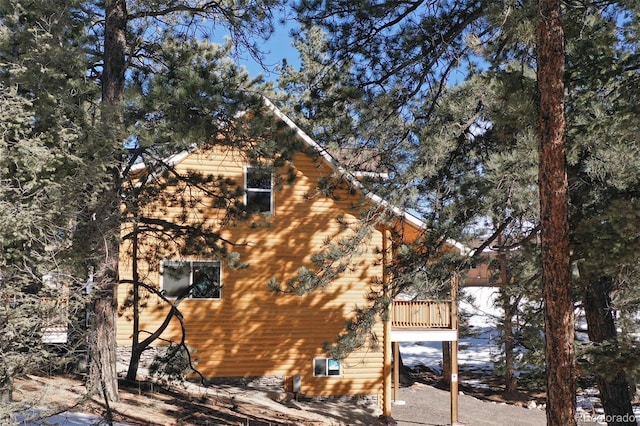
(54, 328)
(423, 320)
(421, 314)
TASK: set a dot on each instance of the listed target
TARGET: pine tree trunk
(556, 269)
(114, 56)
(509, 307)
(102, 372)
(103, 351)
(446, 361)
(614, 389)
(134, 363)
(511, 382)
(136, 348)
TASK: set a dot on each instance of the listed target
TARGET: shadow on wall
(251, 331)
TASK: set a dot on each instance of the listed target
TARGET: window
(259, 190)
(323, 367)
(202, 276)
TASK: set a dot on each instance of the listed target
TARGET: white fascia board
(353, 177)
(371, 175)
(425, 335)
(171, 161)
(137, 166)
(302, 135)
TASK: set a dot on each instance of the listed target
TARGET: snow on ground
(63, 419)
(478, 351)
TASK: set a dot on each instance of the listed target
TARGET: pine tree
(603, 195)
(392, 53)
(21, 281)
(130, 45)
(554, 218)
(203, 96)
(45, 126)
(596, 62)
(81, 57)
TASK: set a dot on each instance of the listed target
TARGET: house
(236, 325)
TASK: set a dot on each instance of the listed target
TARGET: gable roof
(335, 164)
(352, 177)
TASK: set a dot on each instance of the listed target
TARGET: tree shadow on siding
(252, 331)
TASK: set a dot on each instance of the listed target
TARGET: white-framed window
(325, 367)
(258, 186)
(202, 276)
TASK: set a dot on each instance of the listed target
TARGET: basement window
(203, 277)
(258, 190)
(324, 367)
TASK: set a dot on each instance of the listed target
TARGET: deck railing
(55, 327)
(421, 314)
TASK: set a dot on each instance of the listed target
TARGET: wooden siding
(482, 276)
(251, 331)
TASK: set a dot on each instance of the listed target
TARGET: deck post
(396, 369)
(454, 382)
(387, 371)
(386, 368)
(454, 351)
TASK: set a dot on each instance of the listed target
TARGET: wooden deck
(424, 320)
(54, 326)
(421, 314)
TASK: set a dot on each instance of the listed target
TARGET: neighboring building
(238, 327)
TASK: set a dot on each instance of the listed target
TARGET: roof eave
(353, 177)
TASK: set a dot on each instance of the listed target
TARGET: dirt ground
(425, 400)
(425, 405)
(145, 404)
(228, 404)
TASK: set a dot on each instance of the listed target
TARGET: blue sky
(277, 48)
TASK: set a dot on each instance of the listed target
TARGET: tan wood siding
(251, 331)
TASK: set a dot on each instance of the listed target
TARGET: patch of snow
(422, 353)
(475, 352)
(478, 351)
(475, 383)
(479, 304)
(32, 418)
